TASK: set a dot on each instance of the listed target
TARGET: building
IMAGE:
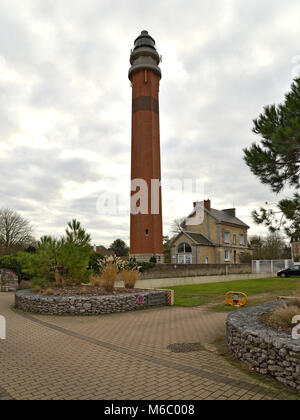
(219, 238)
(146, 213)
(103, 251)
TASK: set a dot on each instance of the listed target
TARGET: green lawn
(201, 294)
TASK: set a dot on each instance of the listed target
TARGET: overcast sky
(65, 97)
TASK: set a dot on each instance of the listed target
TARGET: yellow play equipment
(236, 299)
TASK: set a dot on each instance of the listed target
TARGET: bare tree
(271, 247)
(15, 232)
(178, 225)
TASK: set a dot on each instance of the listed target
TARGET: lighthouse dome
(144, 40)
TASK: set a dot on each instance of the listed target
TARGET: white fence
(270, 266)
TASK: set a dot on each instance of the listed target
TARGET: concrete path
(119, 356)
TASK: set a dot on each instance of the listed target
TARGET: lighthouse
(146, 237)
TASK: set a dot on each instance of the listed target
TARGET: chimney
(207, 204)
(230, 212)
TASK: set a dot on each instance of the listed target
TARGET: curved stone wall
(86, 305)
(266, 350)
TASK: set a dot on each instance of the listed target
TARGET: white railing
(270, 266)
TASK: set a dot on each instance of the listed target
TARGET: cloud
(66, 102)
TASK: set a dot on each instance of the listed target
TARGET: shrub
(153, 259)
(95, 281)
(19, 263)
(94, 262)
(37, 289)
(246, 258)
(24, 285)
(49, 292)
(109, 277)
(130, 278)
(143, 266)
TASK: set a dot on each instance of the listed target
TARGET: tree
(120, 248)
(15, 232)
(178, 225)
(257, 243)
(167, 249)
(275, 160)
(272, 247)
(66, 258)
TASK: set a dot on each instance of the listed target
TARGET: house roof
(223, 217)
(104, 251)
(197, 238)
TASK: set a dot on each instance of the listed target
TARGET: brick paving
(120, 356)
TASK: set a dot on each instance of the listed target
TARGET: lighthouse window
(147, 232)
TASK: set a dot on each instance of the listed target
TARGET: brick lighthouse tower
(146, 215)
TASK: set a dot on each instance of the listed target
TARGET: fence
(270, 266)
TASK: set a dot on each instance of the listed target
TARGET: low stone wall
(268, 351)
(161, 271)
(188, 281)
(8, 281)
(86, 305)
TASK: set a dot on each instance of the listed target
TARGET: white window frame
(242, 239)
(227, 237)
(185, 259)
(227, 251)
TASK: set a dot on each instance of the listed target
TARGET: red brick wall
(146, 163)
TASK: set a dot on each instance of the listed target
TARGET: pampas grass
(130, 278)
(109, 277)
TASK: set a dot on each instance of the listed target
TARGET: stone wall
(194, 270)
(8, 281)
(86, 305)
(266, 350)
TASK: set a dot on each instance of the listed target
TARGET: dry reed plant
(96, 281)
(283, 316)
(109, 277)
(130, 278)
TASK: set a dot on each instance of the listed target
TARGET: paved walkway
(119, 356)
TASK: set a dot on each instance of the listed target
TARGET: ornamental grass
(130, 278)
(109, 277)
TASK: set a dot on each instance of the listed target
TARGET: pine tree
(275, 160)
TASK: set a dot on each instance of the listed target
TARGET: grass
(257, 290)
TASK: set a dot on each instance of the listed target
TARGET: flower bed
(89, 304)
(266, 350)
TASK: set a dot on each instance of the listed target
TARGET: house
(103, 251)
(217, 237)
